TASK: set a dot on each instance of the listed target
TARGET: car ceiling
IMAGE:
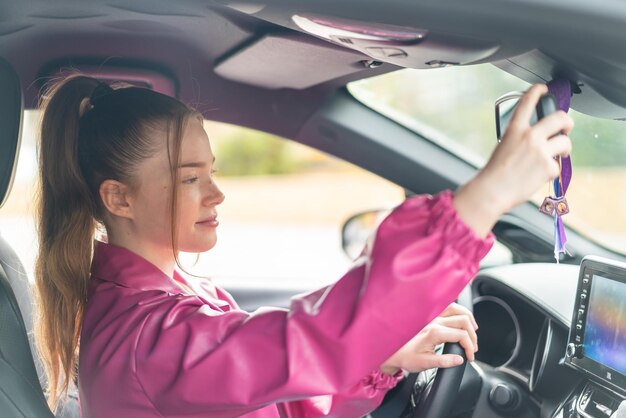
(247, 62)
(183, 41)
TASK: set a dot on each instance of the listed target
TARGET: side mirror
(357, 230)
(505, 106)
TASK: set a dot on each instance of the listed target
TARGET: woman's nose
(214, 195)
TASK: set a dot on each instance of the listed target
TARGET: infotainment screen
(597, 339)
(605, 328)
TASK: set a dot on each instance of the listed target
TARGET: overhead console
(597, 340)
(402, 46)
(340, 47)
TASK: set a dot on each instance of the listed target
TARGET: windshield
(454, 107)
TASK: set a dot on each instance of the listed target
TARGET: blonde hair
(90, 132)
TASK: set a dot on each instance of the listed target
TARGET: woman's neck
(161, 256)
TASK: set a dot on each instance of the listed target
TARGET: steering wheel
(434, 400)
(438, 401)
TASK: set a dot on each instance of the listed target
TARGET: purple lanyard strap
(562, 91)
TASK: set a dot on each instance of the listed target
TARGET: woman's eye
(194, 179)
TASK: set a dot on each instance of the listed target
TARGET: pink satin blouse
(151, 349)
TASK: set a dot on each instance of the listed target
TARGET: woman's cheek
(189, 194)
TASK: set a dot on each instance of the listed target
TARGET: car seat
(20, 389)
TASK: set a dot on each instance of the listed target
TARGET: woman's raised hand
(456, 324)
(522, 162)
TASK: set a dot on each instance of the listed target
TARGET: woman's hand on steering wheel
(455, 324)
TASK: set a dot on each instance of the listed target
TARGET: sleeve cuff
(382, 381)
(446, 220)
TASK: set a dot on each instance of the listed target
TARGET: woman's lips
(209, 222)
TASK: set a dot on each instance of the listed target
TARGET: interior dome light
(350, 31)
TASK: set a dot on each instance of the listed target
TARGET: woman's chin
(198, 246)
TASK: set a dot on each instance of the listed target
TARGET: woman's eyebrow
(198, 164)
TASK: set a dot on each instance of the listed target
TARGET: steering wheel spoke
(425, 394)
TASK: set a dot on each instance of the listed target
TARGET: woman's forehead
(195, 142)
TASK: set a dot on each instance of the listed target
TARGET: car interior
(283, 67)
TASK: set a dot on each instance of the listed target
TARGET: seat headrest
(11, 111)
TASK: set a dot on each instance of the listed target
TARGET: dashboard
(530, 363)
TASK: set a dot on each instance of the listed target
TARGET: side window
(284, 209)
(17, 224)
(280, 223)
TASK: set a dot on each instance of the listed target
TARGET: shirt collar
(125, 268)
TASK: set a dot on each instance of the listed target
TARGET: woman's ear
(116, 198)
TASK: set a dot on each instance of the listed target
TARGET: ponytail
(66, 227)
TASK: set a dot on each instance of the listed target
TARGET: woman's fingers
(559, 145)
(458, 316)
(419, 353)
(456, 309)
(526, 106)
(556, 123)
(461, 322)
(432, 361)
(439, 334)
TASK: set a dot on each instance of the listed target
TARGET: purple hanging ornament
(557, 205)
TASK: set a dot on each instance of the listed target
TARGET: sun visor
(290, 60)
(11, 111)
(398, 45)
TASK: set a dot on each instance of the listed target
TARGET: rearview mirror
(357, 230)
(506, 104)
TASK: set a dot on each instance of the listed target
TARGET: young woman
(139, 164)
